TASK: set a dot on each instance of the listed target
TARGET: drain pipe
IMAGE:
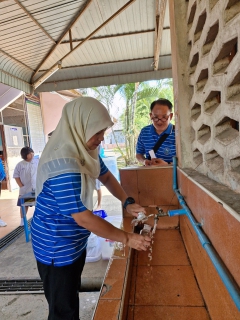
(230, 284)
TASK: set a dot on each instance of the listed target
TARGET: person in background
(25, 174)
(63, 218)
(2, 177)
(156, 142)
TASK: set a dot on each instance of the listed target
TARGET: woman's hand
(104, 229)
(138, 242)
(134, 209)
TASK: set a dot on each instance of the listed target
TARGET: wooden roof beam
(70, 39)
(160, 14)
(109, 62)
(18, 61)
(34, 20)
(115, 35)
(65, 32)
(106, 76)
(90, 35)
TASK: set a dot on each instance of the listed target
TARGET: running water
(146, 231)
(155, 226)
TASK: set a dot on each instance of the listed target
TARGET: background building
(26, 120)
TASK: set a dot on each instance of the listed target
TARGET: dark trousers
(61, 288)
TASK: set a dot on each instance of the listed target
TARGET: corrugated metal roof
(95, 45)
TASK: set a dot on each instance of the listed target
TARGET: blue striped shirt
(56, 237)
(148, 138)
(2, 172)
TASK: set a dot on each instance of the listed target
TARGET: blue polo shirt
(2, 172)
(56, 237)
(148, 138)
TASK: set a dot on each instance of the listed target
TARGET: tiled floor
(9, 212)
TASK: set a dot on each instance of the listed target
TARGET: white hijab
(67, 151)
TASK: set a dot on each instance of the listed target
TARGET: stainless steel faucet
(157, 216)
(160, 213)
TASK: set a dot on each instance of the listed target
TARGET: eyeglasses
(163, 118)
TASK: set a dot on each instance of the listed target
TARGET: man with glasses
(156, 142)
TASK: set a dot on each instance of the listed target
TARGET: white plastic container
(106, 248)
(94, 251)
(106, 244)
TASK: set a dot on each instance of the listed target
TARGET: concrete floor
(17, 262)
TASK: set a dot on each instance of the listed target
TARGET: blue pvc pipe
(177, 212)
(174, 173)
(226, 277)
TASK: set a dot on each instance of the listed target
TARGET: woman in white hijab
(63, 217)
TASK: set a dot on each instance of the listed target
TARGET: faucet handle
(160, 213)
(160, 210)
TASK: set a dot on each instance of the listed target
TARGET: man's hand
(138, 242)
(147, 162)
(134, 209)
(158, 162)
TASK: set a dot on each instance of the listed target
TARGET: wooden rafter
(115, 35)
(11, 57)
(110, 62)
(160, 14)
(65, 32)
(94, 32)
(34, 20)
(70, 39)
(106, 76)
(15, 77)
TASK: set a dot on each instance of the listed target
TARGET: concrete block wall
(213, 39)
